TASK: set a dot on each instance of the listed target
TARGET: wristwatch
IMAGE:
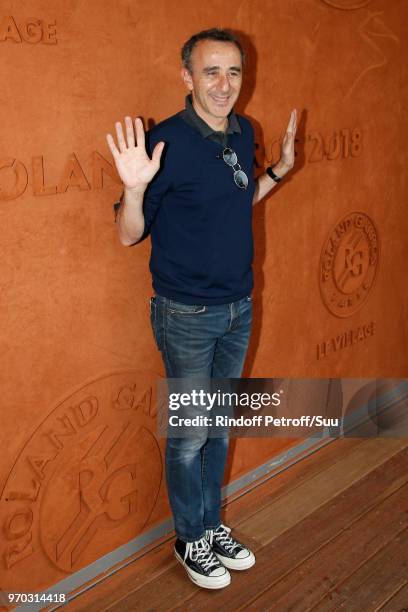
(273, 176)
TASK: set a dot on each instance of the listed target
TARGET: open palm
(134, 166)
(288, 144)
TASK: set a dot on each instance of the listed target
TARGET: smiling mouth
(221, 101)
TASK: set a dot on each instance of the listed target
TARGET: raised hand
(134, 166)
(288, 144)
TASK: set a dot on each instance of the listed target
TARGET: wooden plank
(294, 546)
(398, 602)
(171, 588)
(248, 504)
(129, 578)
(374, 581)
(346, 560)
(288, 510)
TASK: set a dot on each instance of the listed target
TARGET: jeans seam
(230, 321)
(203, 472)
(166, 357)
(203, 476)
(153, 319)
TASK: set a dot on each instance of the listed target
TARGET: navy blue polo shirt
(200, 222)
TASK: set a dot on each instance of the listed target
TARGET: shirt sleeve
(156, 189)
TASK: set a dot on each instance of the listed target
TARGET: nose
(223, 83)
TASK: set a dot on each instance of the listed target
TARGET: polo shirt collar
(191, 117)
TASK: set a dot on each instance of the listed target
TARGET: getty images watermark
(282, 407)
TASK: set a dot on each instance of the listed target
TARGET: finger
(130, 135)
(295, 121)
(292, 122)
(120, 137)
(157, 151)
(112, 145)
(140, 135)
(288, 137)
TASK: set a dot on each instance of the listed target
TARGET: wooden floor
(329, 533)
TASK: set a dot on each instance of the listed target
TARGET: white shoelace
(201, 552)
(223, 537)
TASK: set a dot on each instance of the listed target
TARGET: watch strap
(273, 176)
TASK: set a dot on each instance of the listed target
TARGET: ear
(186, 76)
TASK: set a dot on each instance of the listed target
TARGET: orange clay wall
(81, 467)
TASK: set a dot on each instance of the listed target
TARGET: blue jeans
(199, 341)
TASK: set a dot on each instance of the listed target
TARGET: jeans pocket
(178, 308)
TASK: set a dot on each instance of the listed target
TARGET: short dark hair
(212, 34)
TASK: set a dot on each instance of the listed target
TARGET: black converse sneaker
(230, 552)
(202, 565)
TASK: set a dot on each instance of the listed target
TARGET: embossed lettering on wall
(340, 144)
(345, 340)
(93, 465)
(336, 145)
(348, 264)
(14, 173)
(31, 31)
(14, 176)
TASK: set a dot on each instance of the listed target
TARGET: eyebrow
(210, 68)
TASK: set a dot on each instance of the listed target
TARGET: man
(195, 196)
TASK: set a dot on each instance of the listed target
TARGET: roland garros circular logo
(86, 481)
(348, 264)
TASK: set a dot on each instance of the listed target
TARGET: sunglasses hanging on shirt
(230, 158)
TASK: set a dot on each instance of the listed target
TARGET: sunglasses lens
(241, 179)
(230, 157)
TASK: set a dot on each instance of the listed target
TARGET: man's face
(216, 78)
